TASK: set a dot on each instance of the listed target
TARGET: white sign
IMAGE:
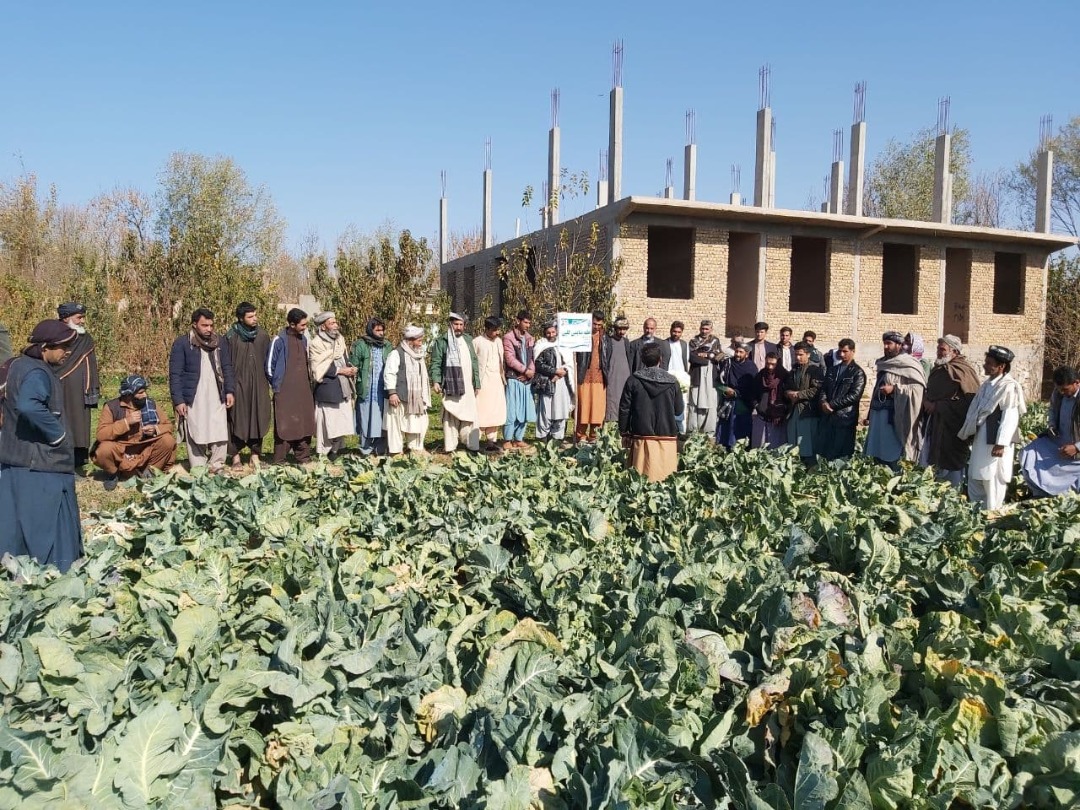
(575, 331)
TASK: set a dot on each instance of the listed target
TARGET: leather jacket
(843, 390)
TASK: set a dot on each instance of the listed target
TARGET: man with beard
(993, 421)
(592, 374)
(455, 373)
(294, 404)
(491, 399)
(705, 352)
(335, 386)
(518, 346)
(952, 384)
(735, 377)
(39, 509)
(133, 436)
(801, 391)
(368, 356)
(648, 335)
(203, 388)
(408, 395)
(1051, 463)
(649, 411)
(622, 361)
(895, 404)
(249, 417)
(553, 385)
(841, 393)
(79, 375)
(769, 427)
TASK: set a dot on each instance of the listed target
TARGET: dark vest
(21, 444)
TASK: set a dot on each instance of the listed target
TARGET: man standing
(952, 384)
(520, 368)
(37, 458)
(678, 352)
(249, 417)
(809, 338)
(841, 394)
(79, 375)
(760, 345)
(769, 428)
(491, 400)
(335, 386)
(133, 436)
(553, 385)
(648, 335)
(408, 395)
(895, 404)
(592, 371)
(455, 373)
(1051, 463)
(785, 351)
(294, 405)
(202, 388)
(704, 353)
(368, 358)
(649, 410)
(993, 420)
(735, 381)
(619, 370)
(801, 391)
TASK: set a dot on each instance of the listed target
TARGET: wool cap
(953, 342)
(52, 333)
(892, 337)
(323, 317)
(413, 332)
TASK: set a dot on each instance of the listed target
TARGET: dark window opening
(670, 269)
(809, 291)
(469, 304)
(899, 279)
(1008, 283)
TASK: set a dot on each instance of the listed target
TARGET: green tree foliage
(900, 181)
(1063, 312)
(1065, 194)
(384, 276)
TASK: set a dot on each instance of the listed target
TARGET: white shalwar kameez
(459, 414)
(989, 476)
(402, 429)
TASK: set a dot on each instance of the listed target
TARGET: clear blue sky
(347, 112)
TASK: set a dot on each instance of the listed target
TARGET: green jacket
(438, 359)
(360, 357)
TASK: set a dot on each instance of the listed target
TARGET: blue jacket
(275, 360)
(185, 365)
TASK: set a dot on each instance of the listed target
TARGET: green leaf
(146, 753)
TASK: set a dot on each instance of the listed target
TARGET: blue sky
(347, 112)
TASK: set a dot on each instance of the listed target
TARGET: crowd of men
(227, 390)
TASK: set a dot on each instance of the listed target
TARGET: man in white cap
(335, 386)
(993, 421)
(455, 373)
(408, 394)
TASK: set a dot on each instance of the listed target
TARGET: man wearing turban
(133, 435)
(78, 374)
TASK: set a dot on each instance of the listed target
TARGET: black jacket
(807, 381)
(650, 404)
(843, 390)
(636, 347)
(547, 363)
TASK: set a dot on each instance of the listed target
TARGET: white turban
(323, 317)
(413, 332)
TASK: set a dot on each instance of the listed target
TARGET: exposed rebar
(837, 145)
(691, 126)
(555, 96)
(944, 103)
(442, 180)
(1046, 132)
(669, 177)
(617, 64)
(859, 114)
(736, 178)
(764, 93)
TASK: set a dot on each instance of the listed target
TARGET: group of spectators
(309, 384)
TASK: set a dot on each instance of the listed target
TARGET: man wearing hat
(133, 435)
(993, 421)
(335, 386)
(79, 375)
(455, 373)
(40, 513)
(895, 404)
(408, 394)
(760, 346)
(951, 386)
(553, 384)
(249, 417)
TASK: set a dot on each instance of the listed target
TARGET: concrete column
(690, 172)
(1043, 191)
(444, 232)
(941, 208)
(948, 197)
(763, 155)
(669, 192)
(736, 198)
(554, 171)
(857, 170)
(615, 145)
(825, 207)
(772, 180)
(488, 236)
(601, 193)
(836, 188)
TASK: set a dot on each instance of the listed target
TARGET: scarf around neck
(243, 331)
(369, 333)
(416, 376)
(206, 344)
